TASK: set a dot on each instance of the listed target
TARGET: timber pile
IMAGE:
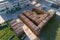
(35, 21)
(16, 25)
(31, 22)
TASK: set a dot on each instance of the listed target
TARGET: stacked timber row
(29, 23)
(19, 27)
(30, 34)
(35, 19)
(16, 25)
(51, 14)
(32, 16)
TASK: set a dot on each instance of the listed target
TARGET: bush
(10, 38)
(3, 25)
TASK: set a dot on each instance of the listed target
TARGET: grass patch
(6, 32)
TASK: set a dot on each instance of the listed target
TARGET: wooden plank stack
(30, 34)
(35, 21)
(31, 23)
(16, 25)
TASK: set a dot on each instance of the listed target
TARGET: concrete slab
(58, 13)
(37, 5)
(1, 0)
(1, 20)
(33, 2)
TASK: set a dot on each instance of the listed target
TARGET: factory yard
(50, 32)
